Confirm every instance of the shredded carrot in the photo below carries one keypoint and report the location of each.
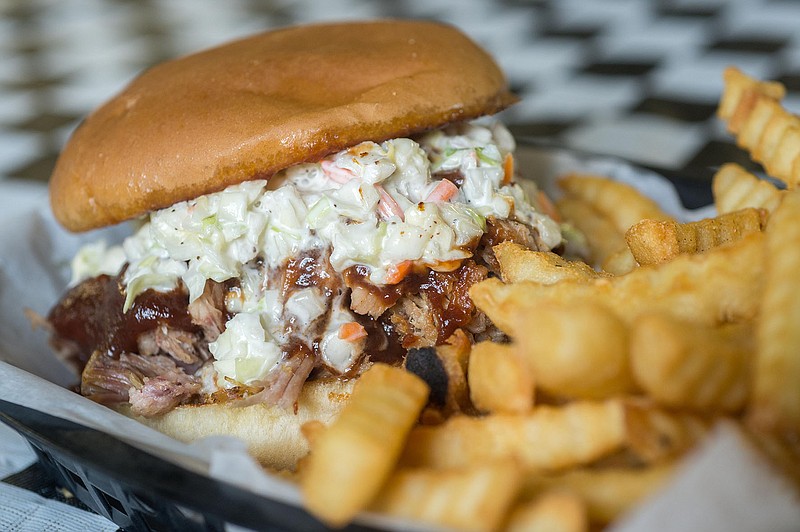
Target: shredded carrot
(397, 272)
(442, 192)
(335, 173)
(547, 206)
(352, 331)
(387, 206)
(508, 169)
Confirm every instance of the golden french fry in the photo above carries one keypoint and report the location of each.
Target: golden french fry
(689, 365)
(607, 492)
(654, 434)
(718, 286)
(761, 125)
(518, 263)
(735, 188)
(654, 241)
(781, 165)
(755, 116)
(622, 204)
(547, 438)
(793, 181)
(776, 388)
(745, 110)
(774, 129)
(552, 511)
(620, 263)
(577, 350)
(350, 460)
(602, 236)
(753, 126)
(739, 94)
(473, 498)
(500, 381)
(734, 86)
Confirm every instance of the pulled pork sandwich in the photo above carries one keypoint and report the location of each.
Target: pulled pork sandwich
(309, 201)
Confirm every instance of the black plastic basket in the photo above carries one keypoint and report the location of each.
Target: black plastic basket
(141, 492)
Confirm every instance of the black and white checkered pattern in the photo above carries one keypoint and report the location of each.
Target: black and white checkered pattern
(627, 77)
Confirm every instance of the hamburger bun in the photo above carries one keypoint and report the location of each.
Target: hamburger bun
(272, 433)
(248, 109)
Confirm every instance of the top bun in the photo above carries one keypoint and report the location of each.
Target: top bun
(251, 108)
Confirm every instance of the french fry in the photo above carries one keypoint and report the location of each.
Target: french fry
(754, 115)
(744, 110)
(552, 511)
(351, 459)
(520, 264)
(654, 434)
(602, 236)
(622, 204)
(739, 94)
(620, 262)
(771, 137)
(721, 285)
(654, 241)
(474, 498)
(607, 492)
(753, 126)
(735, 188)
(688, 324)
(546, 439)
(575, 350)
(500, 381)
(781, 164)
(776, 393)
(689, 365)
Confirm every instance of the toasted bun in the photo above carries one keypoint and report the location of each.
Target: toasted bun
(248, 109)
(272, 433)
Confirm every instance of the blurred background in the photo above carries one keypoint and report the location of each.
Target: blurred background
(634, 78)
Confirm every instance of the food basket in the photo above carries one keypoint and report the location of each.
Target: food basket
(140, 491)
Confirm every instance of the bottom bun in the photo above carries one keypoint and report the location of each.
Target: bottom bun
(272, 433)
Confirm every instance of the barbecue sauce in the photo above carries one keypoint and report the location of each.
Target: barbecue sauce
(314, 271)
(447, 293)
(90, 315)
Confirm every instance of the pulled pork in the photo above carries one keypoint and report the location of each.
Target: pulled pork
(149, 356)
(440, 305)
(154, 355)
(152, 384)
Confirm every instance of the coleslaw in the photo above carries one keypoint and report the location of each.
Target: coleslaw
(382, 206)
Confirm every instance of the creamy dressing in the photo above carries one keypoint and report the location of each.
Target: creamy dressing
(375, 205)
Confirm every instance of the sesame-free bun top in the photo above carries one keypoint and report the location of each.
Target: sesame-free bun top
(248, 109)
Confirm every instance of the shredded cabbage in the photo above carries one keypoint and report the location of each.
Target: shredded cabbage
(96, 259)
(367, 205)
(244, 352)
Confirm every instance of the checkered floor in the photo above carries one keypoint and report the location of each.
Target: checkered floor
(627, 77)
